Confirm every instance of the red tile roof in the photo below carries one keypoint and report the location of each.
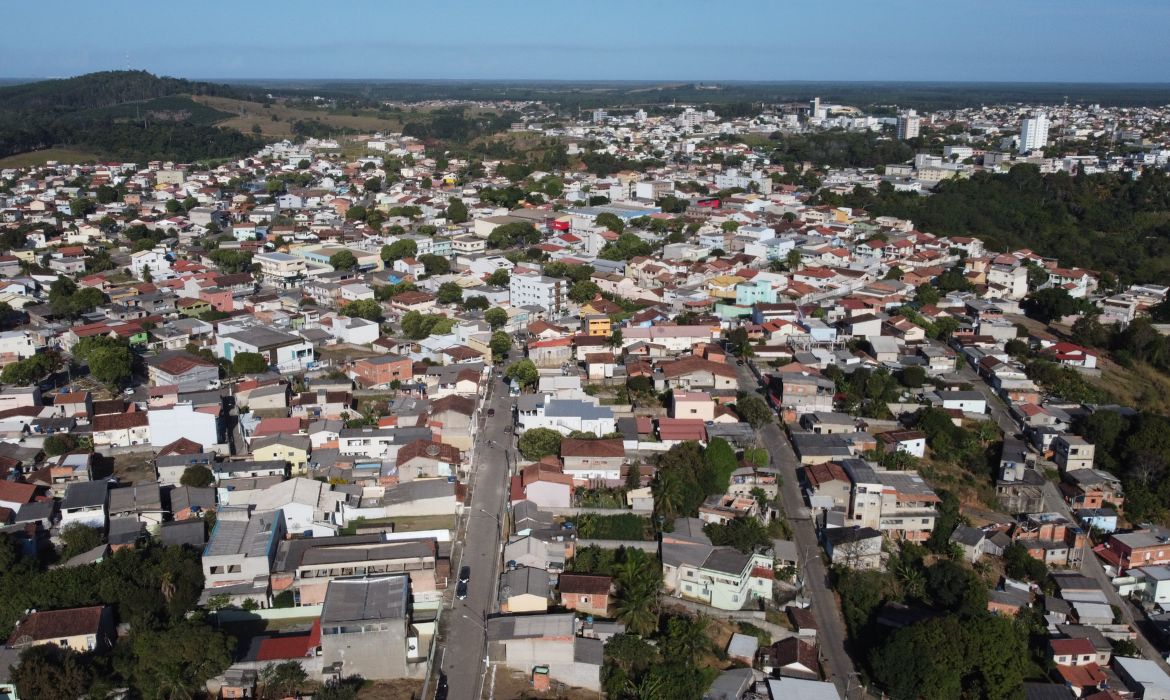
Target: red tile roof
(57, 624)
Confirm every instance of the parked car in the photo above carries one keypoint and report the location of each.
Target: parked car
(465, 574)
(491, 412)
(461, 590)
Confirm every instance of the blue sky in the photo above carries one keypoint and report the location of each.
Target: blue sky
(993, 40)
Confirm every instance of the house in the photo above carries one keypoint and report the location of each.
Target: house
(801, 689)
(1126, 550)
(84, 504)
(742, 648)
(692, 404)
(689, 373)
(1143, 677)
(540, 550)
(721, 577)
(365, 627)
(1072, 452)
(80, 629)
(142, 501)
(965, 401)
(381, 370)
(585, 593)
(593, 460)
(184, 420)
(240, 550)
(802, 392)
(1071, 355)
(284, 351)
(121, 429)
(970, 540)
(827, 486)
(281, 447)
(182, 369)
(854, 547)
(548, 641)
(792, 657)
(1072, 652)
(524, 589)
(544, 486)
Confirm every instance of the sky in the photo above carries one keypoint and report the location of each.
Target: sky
(781, 40)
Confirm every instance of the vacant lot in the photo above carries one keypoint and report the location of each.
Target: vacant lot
(63, 155)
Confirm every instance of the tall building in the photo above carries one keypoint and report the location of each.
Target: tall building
(600, 115)
(1034, 133)
(908, 125)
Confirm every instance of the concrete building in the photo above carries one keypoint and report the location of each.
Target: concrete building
(1033, 133)
(537, 290)
(365, 627)
(909, 124)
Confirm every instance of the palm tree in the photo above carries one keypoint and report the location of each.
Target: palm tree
(166, 586)
(689, 636)
(637, 607)
(649, 688)
(668, 495)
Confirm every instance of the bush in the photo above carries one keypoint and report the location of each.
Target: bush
(626, 526)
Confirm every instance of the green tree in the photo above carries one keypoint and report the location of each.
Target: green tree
(523, 373)
(477, 302)
(457, 211)
(59, 444)
(110, 363)
(496, 318)
(343, 260)
(1050, 304)
(500, 344)
(249, 363)
(753, 410)
(435, 264)
(539, 442)
(499, 278)
(282, 680)
(449, 293)
(369, 309)
(78, 539)
(638, 581)
(198, 476)
(584, 291)
(50, 672)
(610, 221)
(745, 534)
(81, 206)
(176, 662)
(402, 248)
(720, 461)
(925, 294)
(912, 376)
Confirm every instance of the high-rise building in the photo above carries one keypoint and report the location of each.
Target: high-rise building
(600, 115)
(908, 125)
(1034, 133)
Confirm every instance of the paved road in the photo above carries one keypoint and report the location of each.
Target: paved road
(830, 625)
(464, 647)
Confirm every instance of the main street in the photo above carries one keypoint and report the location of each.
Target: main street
(463, 647)
(830, 626)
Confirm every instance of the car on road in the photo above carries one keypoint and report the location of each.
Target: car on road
(739, 362)
(491, 412)
(441, 690)
(461, 590)
(465, 574)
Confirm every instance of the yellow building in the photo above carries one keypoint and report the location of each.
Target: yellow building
(723, 286)
(293, 449)
(80, 629)
(596, 324)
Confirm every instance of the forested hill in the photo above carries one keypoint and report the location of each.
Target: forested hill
(1109, 222)
(128, 115)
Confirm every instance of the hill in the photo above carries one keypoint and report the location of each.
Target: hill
(125, 115)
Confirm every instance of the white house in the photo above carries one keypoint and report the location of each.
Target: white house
(965, 401)
(564, 415)
(183, 421)
(153, 261)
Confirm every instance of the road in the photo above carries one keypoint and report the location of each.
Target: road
(1054, 502)
(830, 625)
(464, 646)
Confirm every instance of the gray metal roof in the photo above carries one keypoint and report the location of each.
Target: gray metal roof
(366, 599)
(85, 494)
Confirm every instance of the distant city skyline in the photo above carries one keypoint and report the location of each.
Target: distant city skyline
(851, 40)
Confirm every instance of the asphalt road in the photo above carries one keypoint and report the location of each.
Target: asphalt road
(830, 625)
(463, 648)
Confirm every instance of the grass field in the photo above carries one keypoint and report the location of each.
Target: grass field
(63, 155)
(248, 114)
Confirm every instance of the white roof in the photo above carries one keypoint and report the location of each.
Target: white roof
(798, 689)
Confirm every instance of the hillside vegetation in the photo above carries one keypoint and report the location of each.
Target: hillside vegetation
(128, 115)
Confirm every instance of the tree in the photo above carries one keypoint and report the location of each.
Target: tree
(59, 444)
(539, 442)
(523, 373)
(499, 278)
(449, 293)
(513, 234)
(720, 461)
(402, 248)
(110, 363)
(282, 680)
(500, 344)
(51, 672)
(476, 303)
(496, 318)
(1020, 564)
(610, 221)
(78, 539)
(1050, 304)
(616, 340)
(753, 410)
(584, 291)
(197, 476)
(925, 294)
(912, 376)
(175, 662)
(792, 260)
(435, 264)
(81, 206)
(638, 581)
(457, 211)
(369, 309)
(745, 534)
(249, 363)
(634, 476)
(343, 260)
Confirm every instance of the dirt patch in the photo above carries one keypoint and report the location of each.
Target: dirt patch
(134, 468)
(399, 689)
(513, 684)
